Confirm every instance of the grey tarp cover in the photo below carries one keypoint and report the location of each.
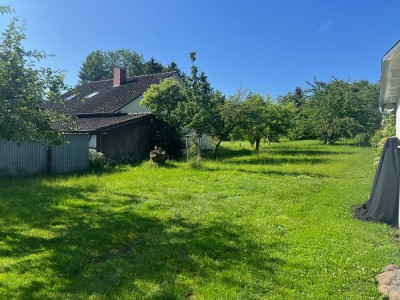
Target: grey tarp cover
(383, 204)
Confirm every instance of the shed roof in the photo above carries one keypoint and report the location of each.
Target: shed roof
(99, 123)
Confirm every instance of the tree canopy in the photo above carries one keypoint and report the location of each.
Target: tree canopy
(163, 100)
(99, 65)
(340, 109)
(24, 88)
(196, 111)
(226, 115)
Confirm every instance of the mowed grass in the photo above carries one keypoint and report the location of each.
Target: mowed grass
(273, 225)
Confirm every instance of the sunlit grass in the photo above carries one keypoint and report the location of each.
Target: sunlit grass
(272, 225)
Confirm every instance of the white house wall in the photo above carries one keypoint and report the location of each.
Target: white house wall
(206, 142)
(398, 120)
(134, 107)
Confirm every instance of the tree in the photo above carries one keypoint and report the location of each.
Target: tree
(226, 116)
(297, 98)
(152, 66)
(173, 67)
(163, 100)
(132, 61)
(279, 119)
(297, 129)
(254, 112)
(340, 109)
(94, 68)
(196, 107)
(263, 118)
(24, 88)
(196, 111)
(366, 112)
(6, 10)
(99, 65)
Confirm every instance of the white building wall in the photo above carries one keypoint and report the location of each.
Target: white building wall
(206, 142)
(134, 107)
(398, 119)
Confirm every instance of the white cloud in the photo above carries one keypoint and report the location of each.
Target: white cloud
(325, 27)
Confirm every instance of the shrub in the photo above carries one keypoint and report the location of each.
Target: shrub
(387, 130)
(362, 139)
(167, 137)
(96, 159)
(195, 162)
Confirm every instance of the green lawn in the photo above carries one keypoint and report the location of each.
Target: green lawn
(277, 225)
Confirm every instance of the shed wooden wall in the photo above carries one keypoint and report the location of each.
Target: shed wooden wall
(126, 141)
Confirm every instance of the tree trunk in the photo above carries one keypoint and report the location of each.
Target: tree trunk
(258, 144)
(215, 150)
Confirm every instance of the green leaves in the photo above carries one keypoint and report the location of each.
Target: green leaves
(261, 117)
(6, 10)
(23, 90)
(339, 109)
(196, 112)
(163, 100)
(99, 65)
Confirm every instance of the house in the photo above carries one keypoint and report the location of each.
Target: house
(390, 83)
(110, 112)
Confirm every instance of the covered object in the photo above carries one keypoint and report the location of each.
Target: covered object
(383, 204)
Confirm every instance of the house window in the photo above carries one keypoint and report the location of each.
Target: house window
(71, 97)
(91, 95)
(93, 141)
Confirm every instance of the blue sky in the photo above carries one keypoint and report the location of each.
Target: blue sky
(264, 46)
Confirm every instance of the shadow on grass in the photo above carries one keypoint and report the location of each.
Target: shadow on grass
(251, 155)
(295, 152)
(70, 242)
(272, 172)
(291, 174)
(265, 160)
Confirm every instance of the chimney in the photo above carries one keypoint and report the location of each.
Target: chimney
(119, 76)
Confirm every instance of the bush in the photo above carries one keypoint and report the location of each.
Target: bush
(167, 137)
(195, 163)
(387, 130)
(96, 159)
(362, 139)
